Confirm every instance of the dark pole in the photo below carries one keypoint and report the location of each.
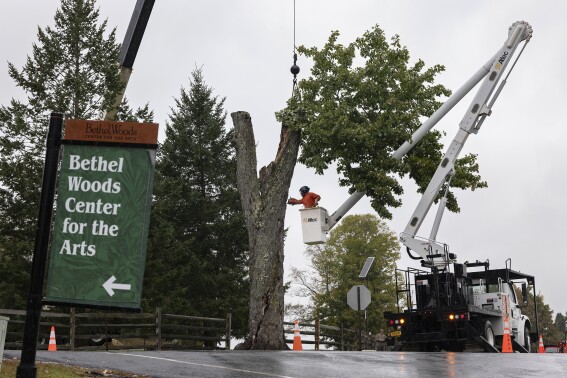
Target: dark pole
(129, 50)
(27, 368)
(359, 315)
(365, 311)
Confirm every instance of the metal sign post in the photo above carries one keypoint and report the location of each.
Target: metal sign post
(27, 366)
(364, 274)
(358, 298)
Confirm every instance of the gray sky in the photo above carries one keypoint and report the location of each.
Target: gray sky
(245, 48)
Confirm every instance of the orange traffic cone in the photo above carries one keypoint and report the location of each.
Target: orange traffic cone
(565, 347)
(296, 337)
(52, 344)
(541, 348)
(506, 339)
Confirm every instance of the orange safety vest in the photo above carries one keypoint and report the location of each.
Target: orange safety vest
(307, 201)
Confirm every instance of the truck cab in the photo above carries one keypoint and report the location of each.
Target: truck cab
(497, 290)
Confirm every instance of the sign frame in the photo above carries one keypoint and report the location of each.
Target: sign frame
(101, 221)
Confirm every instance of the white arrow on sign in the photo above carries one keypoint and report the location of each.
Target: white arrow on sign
(110, 286)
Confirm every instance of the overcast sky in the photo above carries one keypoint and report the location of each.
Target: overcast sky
(245, 48)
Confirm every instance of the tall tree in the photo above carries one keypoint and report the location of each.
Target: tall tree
(73, 70)
(197, 254)
(560, 320)
(360, 103)
(335, 270)
(547, 328)
(560, 326)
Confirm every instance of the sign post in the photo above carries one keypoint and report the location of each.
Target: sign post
(27, 367)
(358, 298)
(100, 231)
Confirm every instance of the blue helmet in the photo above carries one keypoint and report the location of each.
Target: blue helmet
(304, 190)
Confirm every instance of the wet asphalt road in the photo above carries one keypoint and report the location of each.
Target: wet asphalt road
(313, 364)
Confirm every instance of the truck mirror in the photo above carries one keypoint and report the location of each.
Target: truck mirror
(524, 294)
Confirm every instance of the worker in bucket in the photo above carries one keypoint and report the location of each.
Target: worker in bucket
(308, 199)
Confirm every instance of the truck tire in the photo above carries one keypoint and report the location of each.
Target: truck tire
(98, 341)
(488, 333)
(527, 339)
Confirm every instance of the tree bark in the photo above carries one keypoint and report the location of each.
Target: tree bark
(263, 198)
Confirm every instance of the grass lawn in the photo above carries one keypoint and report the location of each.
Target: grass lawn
(46, 370)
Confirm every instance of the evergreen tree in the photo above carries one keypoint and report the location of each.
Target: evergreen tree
(560, 320)
(336, 268)
(547, 328)
(196, 263)
(73, 70)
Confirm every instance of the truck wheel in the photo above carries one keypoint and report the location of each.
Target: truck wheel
(527, 340)
(488, 333)
(98, 341)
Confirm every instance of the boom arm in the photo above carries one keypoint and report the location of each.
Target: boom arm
(471, 122)
(419, 134)
(130, 47)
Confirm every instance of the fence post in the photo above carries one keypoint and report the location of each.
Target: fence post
(342, 338)
(228, 330)
(158, 328)
(105, 331)
(72, 326)
(317, 333)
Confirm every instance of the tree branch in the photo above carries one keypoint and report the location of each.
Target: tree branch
(246, 163)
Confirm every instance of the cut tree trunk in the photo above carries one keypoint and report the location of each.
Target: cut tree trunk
(263, 199)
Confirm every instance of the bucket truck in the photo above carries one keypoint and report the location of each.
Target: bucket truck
(455, 304)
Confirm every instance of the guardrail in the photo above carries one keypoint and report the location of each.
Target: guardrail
(119, 330)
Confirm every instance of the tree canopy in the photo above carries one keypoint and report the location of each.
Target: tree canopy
(547, 327)
(361, 102)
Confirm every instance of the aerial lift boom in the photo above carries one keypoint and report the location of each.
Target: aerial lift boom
(431, 251)
(471, 123)
(129, 49)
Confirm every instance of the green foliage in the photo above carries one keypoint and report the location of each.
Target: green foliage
(337, 264)
(547, 327)
(197, 255)
(560, 320)
(360, 104)
(73, 70)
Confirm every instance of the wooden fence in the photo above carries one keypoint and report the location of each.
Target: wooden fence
(317, 334)
(116, 330)
(157, 331)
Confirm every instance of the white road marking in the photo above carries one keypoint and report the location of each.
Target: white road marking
(204, 365)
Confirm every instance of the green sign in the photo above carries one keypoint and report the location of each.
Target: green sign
(100, 232)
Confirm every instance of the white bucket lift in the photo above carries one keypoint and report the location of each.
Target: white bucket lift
(314, 225)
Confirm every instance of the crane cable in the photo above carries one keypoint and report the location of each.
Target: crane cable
(295, 68)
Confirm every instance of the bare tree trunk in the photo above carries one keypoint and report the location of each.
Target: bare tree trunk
(263, 199)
